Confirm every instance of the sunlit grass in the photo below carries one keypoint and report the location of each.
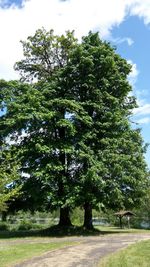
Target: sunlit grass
(14, 253)
(24, 246)
(137, 255)
(109, 229)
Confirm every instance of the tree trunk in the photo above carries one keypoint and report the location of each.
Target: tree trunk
(64, 219)
(88, 216)
(4, 216)
(120, 221)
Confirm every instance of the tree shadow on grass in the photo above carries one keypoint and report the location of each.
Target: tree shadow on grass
(57, 231)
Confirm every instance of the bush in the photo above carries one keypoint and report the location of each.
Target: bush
(4, 227)
(77, 216)
(33, 220)
(37, 226)
(25, 225)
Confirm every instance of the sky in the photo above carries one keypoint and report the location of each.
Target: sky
(124, 23)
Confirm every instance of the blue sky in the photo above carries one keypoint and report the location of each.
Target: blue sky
(8, 3)
(125, 23)
(137, 52)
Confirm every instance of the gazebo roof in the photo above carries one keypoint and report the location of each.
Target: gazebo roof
(124, 213)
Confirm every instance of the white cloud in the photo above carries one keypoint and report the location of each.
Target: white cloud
(128, 40)
(82, 16)
(132, 77)
(145, 120)
(118, 40)
(143, 110)
(141, 9)
(142, 93)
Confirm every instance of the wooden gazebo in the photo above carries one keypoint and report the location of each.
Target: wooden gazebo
(124, 213)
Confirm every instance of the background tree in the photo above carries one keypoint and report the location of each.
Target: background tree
(8, 176)
(9, 165)
(142, 212)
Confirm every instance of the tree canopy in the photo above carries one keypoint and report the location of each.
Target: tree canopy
(68, 118)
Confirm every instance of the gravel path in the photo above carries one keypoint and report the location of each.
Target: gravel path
(86, 254)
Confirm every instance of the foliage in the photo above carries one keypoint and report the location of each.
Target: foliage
(144, 209)
(69, 118)
(112, 168)
(77, 216)
(8, 175)
(142, 218)
(4, 227)
(29, 221)
(25, 225)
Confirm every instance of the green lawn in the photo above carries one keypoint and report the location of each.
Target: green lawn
(137, 255)
(111, 230)
(11, 253)
(27, 246)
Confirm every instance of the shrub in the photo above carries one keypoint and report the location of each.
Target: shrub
(4, 227)
(24, 225)
(77, 216)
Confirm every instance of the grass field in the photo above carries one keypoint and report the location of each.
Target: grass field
(12, 252)
(111, 230)
(137, 255)
(21, 245)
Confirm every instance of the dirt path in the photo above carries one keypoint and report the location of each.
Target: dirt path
(86, 254)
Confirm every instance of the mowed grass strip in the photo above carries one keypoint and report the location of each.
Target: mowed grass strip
(11, 254)
(111, 229)
(137, 255)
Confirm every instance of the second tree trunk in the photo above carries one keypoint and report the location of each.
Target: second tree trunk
(88, 216)
(64, 219)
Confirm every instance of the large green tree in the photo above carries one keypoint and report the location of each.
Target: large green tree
(37, 117)
(111, 166)
(69, 115)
